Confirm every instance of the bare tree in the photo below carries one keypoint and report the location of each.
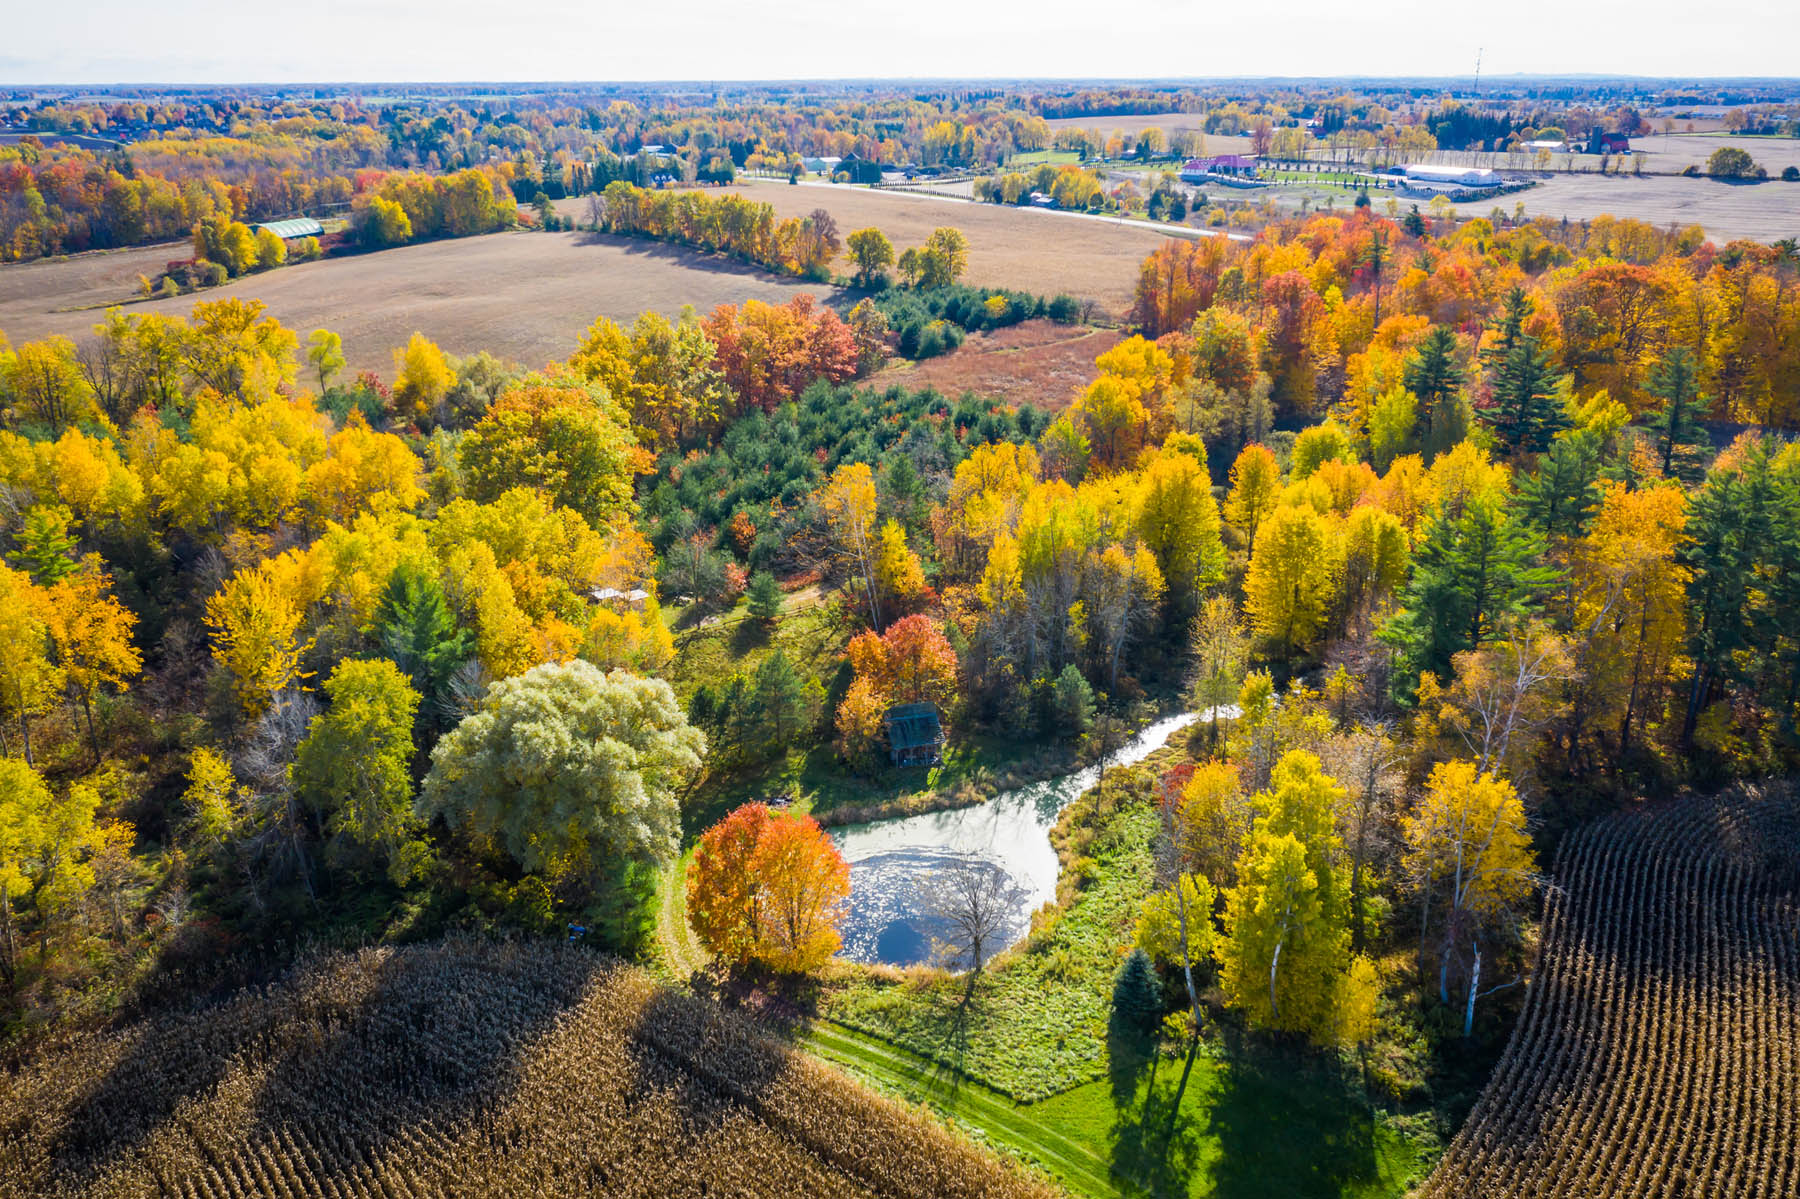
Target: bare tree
(1367, 761)
(277, 826)
(977, 901)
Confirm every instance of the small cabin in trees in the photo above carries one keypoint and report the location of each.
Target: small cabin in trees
(915, 736)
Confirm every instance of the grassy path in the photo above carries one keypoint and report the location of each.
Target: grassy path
(681, 951)
(925, 1081)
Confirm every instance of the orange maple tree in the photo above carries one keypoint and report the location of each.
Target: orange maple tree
(768, 887)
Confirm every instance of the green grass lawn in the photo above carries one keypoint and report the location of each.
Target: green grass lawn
(1038, 157)
(1030, 1057)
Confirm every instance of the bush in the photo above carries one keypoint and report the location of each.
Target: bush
(1790, 174)
(1065, 309)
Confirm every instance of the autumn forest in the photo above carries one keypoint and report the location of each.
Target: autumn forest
(1213, 775)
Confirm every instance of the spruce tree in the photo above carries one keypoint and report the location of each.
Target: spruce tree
(1677, 424)
(1137, 1000)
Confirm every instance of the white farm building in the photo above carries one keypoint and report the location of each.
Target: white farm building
(1454, 176)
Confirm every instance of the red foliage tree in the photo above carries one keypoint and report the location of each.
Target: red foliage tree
(769, 353)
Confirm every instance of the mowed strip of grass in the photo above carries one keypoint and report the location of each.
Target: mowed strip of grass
(920, 1080)
(1242, 1128)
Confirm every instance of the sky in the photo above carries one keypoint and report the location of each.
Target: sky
(206, 41)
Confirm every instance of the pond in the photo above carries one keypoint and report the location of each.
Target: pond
(1009, 833)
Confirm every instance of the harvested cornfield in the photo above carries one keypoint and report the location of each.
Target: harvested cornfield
(1658, 1053)
(465, 1069)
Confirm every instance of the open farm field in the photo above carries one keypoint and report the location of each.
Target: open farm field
(522, 296)
(1656, 1053)
(466, 1069)
(1038, 362)
(1727, 211)
(1029, 249)
(1674, 153)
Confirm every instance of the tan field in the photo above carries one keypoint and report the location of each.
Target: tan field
(1029, 249)
(1673, 153)
(525, 297)
(1727, 211)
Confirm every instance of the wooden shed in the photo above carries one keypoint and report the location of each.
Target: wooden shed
(915, 736)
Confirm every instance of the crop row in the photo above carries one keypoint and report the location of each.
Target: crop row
(466, 1069)
(1658, 1052)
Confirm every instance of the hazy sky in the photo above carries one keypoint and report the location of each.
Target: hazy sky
(98, 41)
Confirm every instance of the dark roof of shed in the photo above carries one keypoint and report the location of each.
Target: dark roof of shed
(911, 725)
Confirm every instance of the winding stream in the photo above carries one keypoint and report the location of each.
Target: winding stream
(1010, 833)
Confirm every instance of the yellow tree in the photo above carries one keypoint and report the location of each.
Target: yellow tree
(44, 847)
(362, 469)
(1178, 521)
(1124, 587)
(872, 253)
(1255, 486)
(1469, 853)
(1630, 594)
(1113, 418)
(423, 375)
(29, 678)
(91, 632)
(213, 802)
(255, 626)
(325, 353)
(898, 571)
(847, 501)
(1293, 578)
(1286, 943)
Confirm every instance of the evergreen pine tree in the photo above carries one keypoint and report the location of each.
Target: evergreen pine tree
(1526, 411)
(1727, 523)
(1561, 496)
(779, 702)
(1436, 381)
(45, 546)
(418, 632)
(1473, 575)
(763, 598)
(1072, 699)
(1677, 424)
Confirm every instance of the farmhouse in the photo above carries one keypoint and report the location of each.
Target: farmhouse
(291, 230)
(915, 738)
(1609, 143)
